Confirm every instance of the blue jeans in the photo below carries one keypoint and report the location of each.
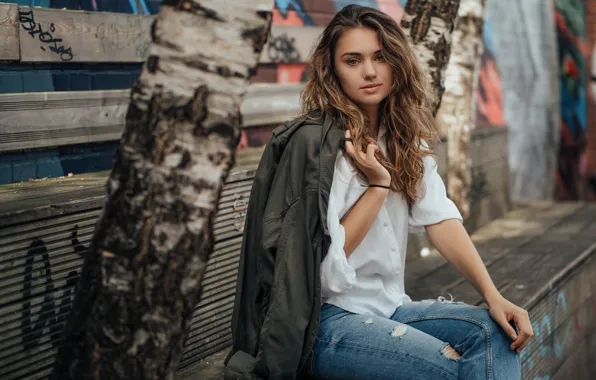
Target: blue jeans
(413, 344)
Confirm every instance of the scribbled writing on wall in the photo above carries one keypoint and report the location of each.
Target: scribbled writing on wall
(27, 21)
(282, 49)
(52, 315)
(562, 321)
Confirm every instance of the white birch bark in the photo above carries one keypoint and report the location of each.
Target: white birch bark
(456, 117)
(429, 25)
(142, 275)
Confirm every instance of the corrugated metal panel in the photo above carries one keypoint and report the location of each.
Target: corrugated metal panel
(40, 262)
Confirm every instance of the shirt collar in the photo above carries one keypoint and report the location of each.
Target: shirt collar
(382, 131)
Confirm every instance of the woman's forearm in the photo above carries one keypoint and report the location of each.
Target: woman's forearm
(454, 243)
(361, 217)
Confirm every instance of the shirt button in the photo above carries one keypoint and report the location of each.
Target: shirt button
(386, 224)
(394, 249)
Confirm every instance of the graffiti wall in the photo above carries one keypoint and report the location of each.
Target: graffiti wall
(571, 38)
(489, 101)
(588, 162)
(288, 64)
(16, 77)
(517, 89)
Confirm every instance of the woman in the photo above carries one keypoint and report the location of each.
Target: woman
(385, 184)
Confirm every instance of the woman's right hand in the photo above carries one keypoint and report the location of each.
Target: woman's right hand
(369, 165)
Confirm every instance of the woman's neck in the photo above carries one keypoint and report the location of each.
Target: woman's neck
(372, 113)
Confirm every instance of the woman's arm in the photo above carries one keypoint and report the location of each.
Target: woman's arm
(454, 243)
(358, 221)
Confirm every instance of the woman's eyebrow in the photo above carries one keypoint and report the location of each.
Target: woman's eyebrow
(359, 54)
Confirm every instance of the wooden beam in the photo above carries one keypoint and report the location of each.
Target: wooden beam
(9, 32)
(55, 35)
(50, 119)
(51, 35)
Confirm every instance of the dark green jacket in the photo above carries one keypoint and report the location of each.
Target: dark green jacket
(278, 294)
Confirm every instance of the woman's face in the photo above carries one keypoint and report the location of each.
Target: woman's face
(360, 67)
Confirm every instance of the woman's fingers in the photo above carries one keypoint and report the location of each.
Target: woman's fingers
(371, 149)
(506, 326)
(522, 320)
(349, 145)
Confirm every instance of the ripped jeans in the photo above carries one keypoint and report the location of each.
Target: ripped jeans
(417, 342)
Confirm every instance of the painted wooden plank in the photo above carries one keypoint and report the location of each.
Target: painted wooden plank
(9, 32)
(50, 119)
(50, 35)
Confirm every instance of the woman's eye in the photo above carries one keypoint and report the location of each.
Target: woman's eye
(352, 62)
(380, 58)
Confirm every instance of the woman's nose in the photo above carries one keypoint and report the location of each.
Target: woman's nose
(369, 70)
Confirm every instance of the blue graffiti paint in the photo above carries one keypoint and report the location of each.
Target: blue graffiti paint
(550, 335)
(130, 6)
(135, 8)
(56, 162)
(284, 6)
(561, 338)
(339, 4)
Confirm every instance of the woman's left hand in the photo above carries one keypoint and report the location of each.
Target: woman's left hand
(504, 312)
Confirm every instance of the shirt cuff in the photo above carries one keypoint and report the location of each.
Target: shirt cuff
(337, 275)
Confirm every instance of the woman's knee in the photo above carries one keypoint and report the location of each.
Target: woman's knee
(496, 339)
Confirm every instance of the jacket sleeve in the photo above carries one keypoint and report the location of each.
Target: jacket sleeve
(434, 206)
(337, 275)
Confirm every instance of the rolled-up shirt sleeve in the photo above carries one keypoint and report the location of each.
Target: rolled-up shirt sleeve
(434, 206)
(337, 275)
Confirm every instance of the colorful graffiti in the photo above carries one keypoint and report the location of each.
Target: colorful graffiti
(588, 162)
(571, 36)
(489, 100)
(311, 13)
(307, 13)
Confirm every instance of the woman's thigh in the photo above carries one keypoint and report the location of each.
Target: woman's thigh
(353, 346)
(449, 321)
(483, 344)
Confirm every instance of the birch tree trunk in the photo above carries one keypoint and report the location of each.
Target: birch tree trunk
(456, 116)
(141, 279)
(429, 24)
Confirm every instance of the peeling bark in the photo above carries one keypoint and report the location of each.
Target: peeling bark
(429, 24)
(141, 279)
(456, 116)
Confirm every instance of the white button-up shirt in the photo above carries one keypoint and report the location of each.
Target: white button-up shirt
(371, 280)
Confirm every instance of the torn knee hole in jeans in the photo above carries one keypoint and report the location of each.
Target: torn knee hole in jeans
(398, 331)
(450, 352)
(443, 299)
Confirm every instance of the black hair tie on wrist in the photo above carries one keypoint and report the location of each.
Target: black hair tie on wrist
(381, 186)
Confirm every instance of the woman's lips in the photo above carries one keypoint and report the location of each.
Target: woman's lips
(371, 89)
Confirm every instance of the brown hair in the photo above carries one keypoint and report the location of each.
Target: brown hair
(405, 111)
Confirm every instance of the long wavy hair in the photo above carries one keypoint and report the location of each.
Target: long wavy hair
(406, 111)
